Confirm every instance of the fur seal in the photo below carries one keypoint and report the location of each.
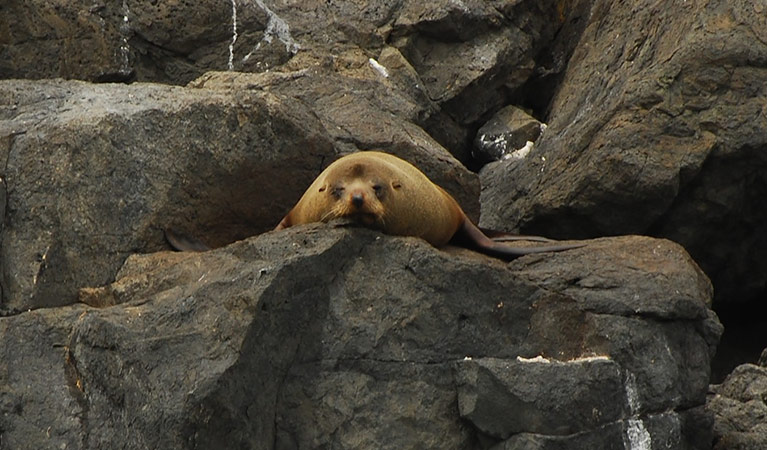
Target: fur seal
(384, 192)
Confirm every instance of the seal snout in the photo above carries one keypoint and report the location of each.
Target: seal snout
(359, 202)
(358, 199)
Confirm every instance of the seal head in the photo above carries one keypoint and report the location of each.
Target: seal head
(380, 191)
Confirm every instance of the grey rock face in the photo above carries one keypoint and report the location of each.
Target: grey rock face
(739, 405)
(505, 135)
(221, 164)
(94, 172)
(540, 396)
(325, 338)
(318, 337)
(657, 128)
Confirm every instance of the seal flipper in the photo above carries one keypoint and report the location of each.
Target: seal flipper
(503, 236)
(472, 237)
(184, 243)
(284, 223)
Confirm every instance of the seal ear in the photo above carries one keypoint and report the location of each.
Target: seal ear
(324, 187)
(395, 184)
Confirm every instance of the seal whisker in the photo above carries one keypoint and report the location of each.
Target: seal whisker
(330, 215)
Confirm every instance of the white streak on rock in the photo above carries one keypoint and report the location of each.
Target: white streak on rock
(124, 31)
(537, 359)
(521, 153)
(378, 68)
(582, 359)
(275, 27)
(637, 437)
(234, 35)
(632, 394)
(589, 359)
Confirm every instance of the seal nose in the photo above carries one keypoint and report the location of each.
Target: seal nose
(357, 200)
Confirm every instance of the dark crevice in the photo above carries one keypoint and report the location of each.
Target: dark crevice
(744, 337)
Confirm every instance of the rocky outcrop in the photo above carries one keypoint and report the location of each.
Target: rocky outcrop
(658, 128)
(305, 338)
(461, 60)
(93, 173)
(136, 159)
(740, 407)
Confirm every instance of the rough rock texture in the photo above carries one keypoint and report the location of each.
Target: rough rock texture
(658, 127)
(320, 337)
(476, 54)
(131, 39)
(469, 55)
(360, 109)
(133, 160)
(507, 132)
(740, 408)
(506, 397)
(94, 172)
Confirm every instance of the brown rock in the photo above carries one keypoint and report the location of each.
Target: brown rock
(657, 129)
(93, 173)
(305, 337)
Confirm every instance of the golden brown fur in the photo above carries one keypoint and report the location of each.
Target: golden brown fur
(382, 191)
(392, 196)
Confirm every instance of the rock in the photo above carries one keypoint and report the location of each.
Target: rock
(612, 434)
(466, 58)
(221, 162)
(506, 397)
(133, 160)
(510, 129)
(663, 430)
(470, 56)
(321, 337)
(304, 338)
(41, 401)
(361, 110)
(657, 128)
(146, 41)
(739, 405)
(448, 21)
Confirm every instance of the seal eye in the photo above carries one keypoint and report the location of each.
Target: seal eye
(337, 191)
(378, 190)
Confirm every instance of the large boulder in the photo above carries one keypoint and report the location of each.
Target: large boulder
(319, 337)
(94, 173)
(658, 128)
